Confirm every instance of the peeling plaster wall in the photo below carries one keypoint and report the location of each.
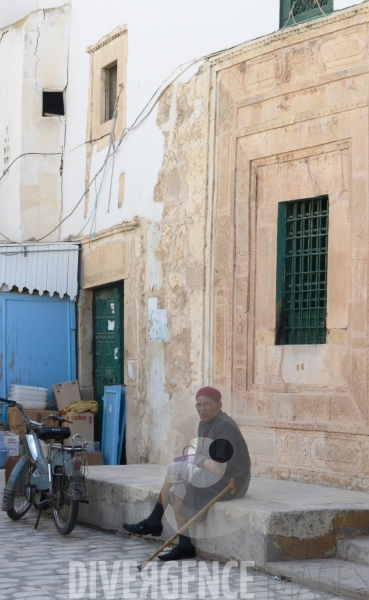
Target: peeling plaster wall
(182, 187)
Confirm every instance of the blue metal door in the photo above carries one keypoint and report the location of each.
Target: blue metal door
(37, 340)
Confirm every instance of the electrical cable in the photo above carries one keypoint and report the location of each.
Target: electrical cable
(187, 65)
(6, 237)
(26, 249)
(27, 154)
(111, 143)
(91, 182)
(320, 8)
(12, 163)
(290, 15)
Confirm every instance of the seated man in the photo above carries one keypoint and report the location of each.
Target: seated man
(221, 455)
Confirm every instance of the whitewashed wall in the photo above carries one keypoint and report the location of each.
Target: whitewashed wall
(11, 69)
(33, 58)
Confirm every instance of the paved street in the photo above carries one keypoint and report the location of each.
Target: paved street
(37, 564)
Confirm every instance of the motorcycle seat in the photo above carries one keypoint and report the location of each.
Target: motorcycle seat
(53, 433)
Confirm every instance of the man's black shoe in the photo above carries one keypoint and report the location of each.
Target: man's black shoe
(142, 528)
(178, 553)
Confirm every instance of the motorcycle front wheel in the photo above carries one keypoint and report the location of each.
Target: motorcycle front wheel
(22, 500)
(65, 512)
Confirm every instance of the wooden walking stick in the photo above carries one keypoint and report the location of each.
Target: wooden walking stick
(230, 488)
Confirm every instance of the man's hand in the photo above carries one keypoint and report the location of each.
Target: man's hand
(212, 466)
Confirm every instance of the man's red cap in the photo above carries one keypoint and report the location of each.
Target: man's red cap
(210, 392)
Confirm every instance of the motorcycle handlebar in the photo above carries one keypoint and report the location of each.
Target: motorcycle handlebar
(20, 407)
(10, 402)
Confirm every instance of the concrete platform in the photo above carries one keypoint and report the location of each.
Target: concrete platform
(356, 550)
(276, 521)
(336, 576)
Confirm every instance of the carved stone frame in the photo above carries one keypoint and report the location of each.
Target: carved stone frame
(236, 199)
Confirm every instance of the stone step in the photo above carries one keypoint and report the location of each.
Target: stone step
(277, 520)
(356, 550)
(332, 575)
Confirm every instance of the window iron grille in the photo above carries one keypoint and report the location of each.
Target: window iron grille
(302, 261)
(303, 10)
(302, 6)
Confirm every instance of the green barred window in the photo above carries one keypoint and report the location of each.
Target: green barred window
(302, 257)
(303, 10)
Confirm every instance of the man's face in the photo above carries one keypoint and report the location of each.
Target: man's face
(207, 408)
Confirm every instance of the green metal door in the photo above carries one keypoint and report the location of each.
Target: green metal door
(108, 343)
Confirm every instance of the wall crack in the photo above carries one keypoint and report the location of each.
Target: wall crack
(3, 33)
(37, 40)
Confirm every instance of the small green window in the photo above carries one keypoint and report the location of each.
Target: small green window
(302, 259)
(296, 11)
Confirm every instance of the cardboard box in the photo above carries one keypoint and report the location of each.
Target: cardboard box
(16, 424)
(94, 458)
(12, 442)
(82, 424)
(9, 466)
(66, 393)
(19, 431)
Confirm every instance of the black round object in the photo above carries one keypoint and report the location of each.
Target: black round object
(221, 450)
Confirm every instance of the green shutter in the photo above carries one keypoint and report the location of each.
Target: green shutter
(302, 260)
(303, 10)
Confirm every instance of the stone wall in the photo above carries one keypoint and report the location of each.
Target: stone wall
(291, 121)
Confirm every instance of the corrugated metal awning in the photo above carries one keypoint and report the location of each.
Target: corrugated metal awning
(51, 268)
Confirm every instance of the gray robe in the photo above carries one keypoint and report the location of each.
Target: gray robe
(219, 435)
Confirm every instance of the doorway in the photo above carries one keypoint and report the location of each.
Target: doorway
(108, 343)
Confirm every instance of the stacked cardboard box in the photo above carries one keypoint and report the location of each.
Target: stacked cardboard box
(66, 393)
(81, 423)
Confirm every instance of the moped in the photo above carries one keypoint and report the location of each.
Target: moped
(48, 474)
